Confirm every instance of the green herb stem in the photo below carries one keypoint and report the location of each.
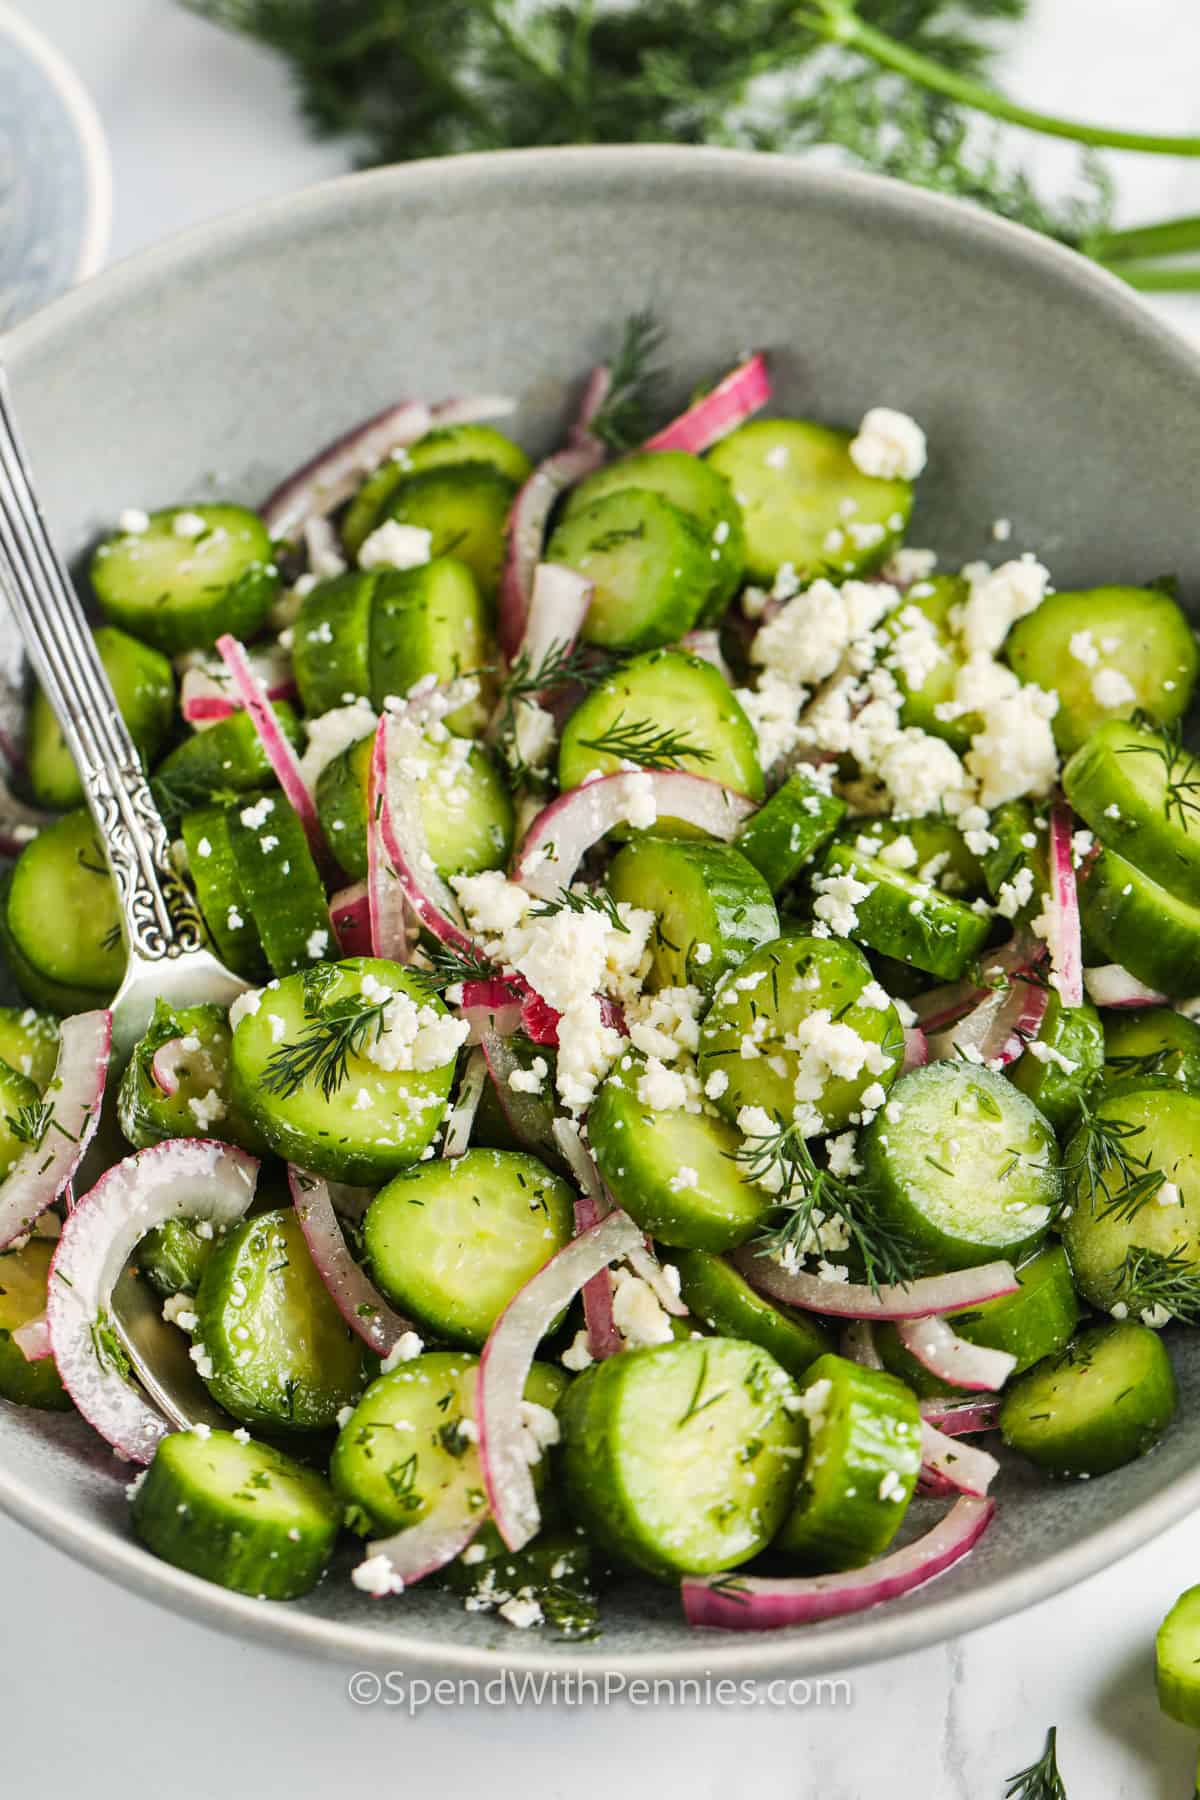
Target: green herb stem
(1156, 278)
(1166, 237)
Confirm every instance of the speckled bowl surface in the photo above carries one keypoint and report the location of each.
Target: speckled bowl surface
(1050, 398)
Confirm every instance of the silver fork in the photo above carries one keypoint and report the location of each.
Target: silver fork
(164, 934)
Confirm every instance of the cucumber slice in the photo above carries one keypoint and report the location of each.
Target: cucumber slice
(711, 908)
(698, 490)
(906, 919)
(1019, 859)
(452, 1241)
(790, 830)
(19, 1115)
(467, 810)
(915, 632)
(465, 507)
(283, 890)
(936, 851)
(42, 990)
(860, 1469)
(195, 572)
(447, 446)
(1137, 638)
(243, 1515)
(29, 1043)
(716, 1293)
(556, 1572)
(1140, 793)
(1177, 1660)
(1153, 1041)
(226, 759)
(202, 1105)
(270, 1343)
(766, 1024)
(682, 1459)
(340, 1134)
(409, 1447)
(1159, 1129)
(964, 1165)
(430, 621)
(674, 1172)
(663, 695)
(222, 899)
(1100, 1403)
(331, 642)
(650, 565)
(143, 685)
(1063, 1065)
(174, 1256)
(62, 910)
(1130, 919)
(24, 1275)
(804, 502)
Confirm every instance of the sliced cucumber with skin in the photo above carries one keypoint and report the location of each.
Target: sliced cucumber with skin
(934, 600)
(242, 1515)
(723, 1299)
(29, 1043)
(698, 490)
(964, 1165)
(180, 591)
(451, 1241)
(62, 909)
(1141, 634)
(1159, 1129)
(711, 908)
(1133, 921)
(1099, 1404)
(1022, 843)
(19, 1099)
(910, 921)
(202, 1105)
(1071, 1042)
(664, 691)
(331, 642)
(790, 829)
(271, 1345)
(209, 842)
(1152, 1040)
(24, 1275)
(650, 567)
(430, 621)
(939, 854)
(1132, 787)
(174, 1256)
(1177, 1660)
(675, 1173)
(770, 999)
(57, 996)
(465, 509)
(343, 1136)
(143, 685)
(279, 878)
(860, 1468)
(682, 1459)
(227, 758)
(446, 446)
(804, 501)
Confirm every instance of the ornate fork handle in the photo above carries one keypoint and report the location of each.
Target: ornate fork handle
(159, 916)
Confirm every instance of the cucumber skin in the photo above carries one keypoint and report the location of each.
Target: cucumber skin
(1149, 1031)
(742, 912)
(1135, 922)
(666, 605)
(283, 889)
(430, 620)
(1103, 773)
(172, 1258)
(716, 1293)
(23, 1278)
(72, 902)
(1078, 1034)
(1177, 1660)
(1102, 1439)
(58, 997)
(229, 756)
(147, 1116)
(219, 892)
(942, 941)
(443, 447)
(331, 642)
(197, 620)
(436, 500)
(143, 684)
(789, 830)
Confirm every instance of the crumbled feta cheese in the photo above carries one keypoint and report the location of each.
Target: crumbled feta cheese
(637, 1314)
(245, 1006)
(407, 1348)
(1082, 647)
(188, 525)
(206, 1109)
(841, 1152)
(330, 734)
(133, 521)
(377, 1577)
(577, 1356)
(889, 445)
(255, 817)
(530, 1080)
(521, 1610)
(997, 599)
(395, 546)
(1111, 688)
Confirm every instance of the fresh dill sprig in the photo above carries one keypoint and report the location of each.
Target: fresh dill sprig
(649, 745)
(1117, 1181)
(30, 1124)
(1181, 779)
(626, 417)
(1148, 1279)
(339, 1030)
(1041, 1780)
(597, 900)
(563, 665)
(450, 966)
(1147, 1062)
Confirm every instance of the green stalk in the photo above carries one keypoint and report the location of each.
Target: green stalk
(837, 22)
(1169, 237)
(1156, 278)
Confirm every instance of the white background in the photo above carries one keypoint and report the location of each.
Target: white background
(102, 1694)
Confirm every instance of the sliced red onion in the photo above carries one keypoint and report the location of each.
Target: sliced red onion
(356, 1297)
(938, 1348)
(647, 1267)
(425, 1547)
(165, 1067)
(1111, 985)
(506, 1361)
(74, 1096)
(963, 1466)
(388, 919)
(563, 832)
(940, 1006)
(527, 534)
(204, 697)
(472, 409)
(33, 1339)
(707, 646)
(402, 856)
(604, 1340)
(762, 1603)
(858, 1345)
(493, 1007)
(279, 753)
(350, 1202)
(595, 394)
(461, 1122)
(557, 610)
(350, 916)
(916, 1049)
(641, 1258)
(323, 549)
(932, 1486)
(185, 1178)
(920, 1299)
(337, 471)
(1064, 935)
(957, 1418)
(743, 392)
(999, 1029)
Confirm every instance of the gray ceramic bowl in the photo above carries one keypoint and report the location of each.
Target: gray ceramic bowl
(1050, 397)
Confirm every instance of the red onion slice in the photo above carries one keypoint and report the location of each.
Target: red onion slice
(165, 1066)
(849, 1300)
(402, 859)
(759, 1603)
(743, 392)
(337, 471)
(279, 753)
(527, 534)
(33, 1339)
(999, 1030)
(461, 1122)
(557, 610)
(350, 916)
(204, 697)
(641, 1259)
(951, 1358)
(409, 1556)
(707, 646)
(858, 1345)
(1111, 985)
(185, 1178)
(940, 1006)
(1064, 934)
(603, 1338)
(42, 1172)
(506, 1361)
(356, 1297)
(962, 1466)
(916, 1049)
(957, 1418)
(563, 832)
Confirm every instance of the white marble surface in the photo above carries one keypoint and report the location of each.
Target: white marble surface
(102, 1691)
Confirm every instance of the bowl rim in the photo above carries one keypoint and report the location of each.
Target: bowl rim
(830, 1647)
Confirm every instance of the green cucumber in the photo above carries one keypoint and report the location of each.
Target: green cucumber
(1149, 1041)
(56, 996)
(240, 1514)
(331, 642)
(143, 685)
(174, 1256)
(24, 1274)
(711, 908)
(209, 842)
(465, 508)
(651, 568)
(446, 446)
(29, 1043)
(1139, 791)
(62, 910)
(860, 1468)
(283, 890)
(452, 1241)
(923, 653)
(202, 1105)
(20, 1116)
(1017, 864)
(1177, 1660)
(724, 1300)
(226, 758)
(1131, 920)
(936, 851)
(682, 1459)
(1063, 1064)
(790, 829)
(1099, 1404)
(906, 919)
(430, 621)
(194, 572)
